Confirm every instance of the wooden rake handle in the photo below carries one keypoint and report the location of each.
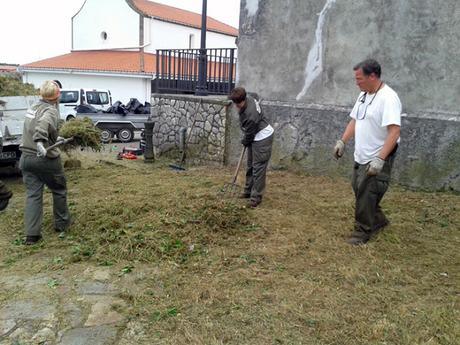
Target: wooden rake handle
(235, 176)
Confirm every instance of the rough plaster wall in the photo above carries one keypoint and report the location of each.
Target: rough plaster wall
(308, 94)
(428, 156)
(416, 41)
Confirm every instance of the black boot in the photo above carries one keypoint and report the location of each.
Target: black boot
(359, 237)
(32, 240)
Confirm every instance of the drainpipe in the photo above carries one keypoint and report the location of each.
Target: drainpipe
(141, 43)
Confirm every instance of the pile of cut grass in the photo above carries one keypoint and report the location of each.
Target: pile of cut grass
(120, 215)
(85, 134)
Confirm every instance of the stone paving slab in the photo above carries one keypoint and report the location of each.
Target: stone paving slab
(28, 310)
(96, 288)
(102, 312)
(6, 326)
(69, 308)
(100, 335)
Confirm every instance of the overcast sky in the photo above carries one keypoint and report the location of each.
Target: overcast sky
(32, 30)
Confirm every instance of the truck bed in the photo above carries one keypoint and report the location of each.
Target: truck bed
(122, 126)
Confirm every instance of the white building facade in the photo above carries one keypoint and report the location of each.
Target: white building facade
(114, 44)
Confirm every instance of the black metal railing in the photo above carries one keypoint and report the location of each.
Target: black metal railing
(177, 70)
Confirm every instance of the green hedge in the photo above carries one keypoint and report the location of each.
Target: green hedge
(13, 86)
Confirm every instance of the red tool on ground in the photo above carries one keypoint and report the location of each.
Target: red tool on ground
(128, 155)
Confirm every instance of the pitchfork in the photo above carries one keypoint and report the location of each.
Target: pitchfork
(232, 190)
(59, 143)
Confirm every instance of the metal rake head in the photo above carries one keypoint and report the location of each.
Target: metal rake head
(230, 191)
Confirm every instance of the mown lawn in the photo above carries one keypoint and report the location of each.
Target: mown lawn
(279, 274)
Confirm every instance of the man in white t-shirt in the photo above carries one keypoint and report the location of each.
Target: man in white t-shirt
(375, 125)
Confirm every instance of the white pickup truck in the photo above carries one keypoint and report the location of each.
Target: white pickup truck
(71, 98)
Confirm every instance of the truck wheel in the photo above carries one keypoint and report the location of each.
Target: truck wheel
(125, 135)
(70, 117)
(106, 135)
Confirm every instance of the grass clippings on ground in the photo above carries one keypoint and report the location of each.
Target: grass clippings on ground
(220, 273)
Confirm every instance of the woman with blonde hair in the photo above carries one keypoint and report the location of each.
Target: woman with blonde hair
(41, 166)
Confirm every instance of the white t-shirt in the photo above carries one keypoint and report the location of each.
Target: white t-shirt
(264, 133)
(373, 113)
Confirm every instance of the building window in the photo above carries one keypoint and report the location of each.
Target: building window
(104, 35)
(191, 41)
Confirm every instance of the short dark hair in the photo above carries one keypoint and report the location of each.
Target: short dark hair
(237, 95)
(369, 66)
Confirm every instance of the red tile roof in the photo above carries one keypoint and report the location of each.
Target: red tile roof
(98, 61)
(183, 17)
(110, 61)
(7, 67)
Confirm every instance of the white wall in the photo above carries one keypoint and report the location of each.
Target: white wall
(122, 88)
(164, 35)
(121, 24)
(114, 17)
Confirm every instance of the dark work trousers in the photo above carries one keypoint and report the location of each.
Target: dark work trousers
(369, 191)
(259, 153)
(36, 173)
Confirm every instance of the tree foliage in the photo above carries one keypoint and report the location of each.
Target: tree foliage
(13, 86)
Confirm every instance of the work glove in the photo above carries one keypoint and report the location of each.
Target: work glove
(339, 149)
(59, 138)
(41, 150)
(246, 142)
(375, 166)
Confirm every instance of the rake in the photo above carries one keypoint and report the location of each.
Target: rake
(232, 190)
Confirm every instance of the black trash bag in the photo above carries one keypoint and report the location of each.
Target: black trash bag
(119, 108)
(85, 109)
(133, 105)
(143, 109)
(139, 110)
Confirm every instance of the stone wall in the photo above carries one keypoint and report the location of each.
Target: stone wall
(205, 119)
(427, 158)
